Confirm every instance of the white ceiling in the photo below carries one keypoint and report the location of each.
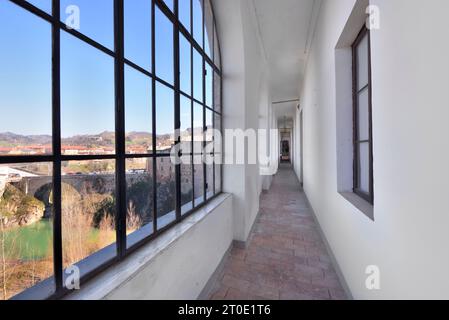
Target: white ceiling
(285, 27)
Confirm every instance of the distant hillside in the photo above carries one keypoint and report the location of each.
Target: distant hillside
(8, 139)
(103, 139)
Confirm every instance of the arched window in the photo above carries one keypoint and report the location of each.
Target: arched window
(97, 100)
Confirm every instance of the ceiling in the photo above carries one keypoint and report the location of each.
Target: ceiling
(285, 27)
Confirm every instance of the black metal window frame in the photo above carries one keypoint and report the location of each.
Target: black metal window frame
(54, 288)
(356, 136)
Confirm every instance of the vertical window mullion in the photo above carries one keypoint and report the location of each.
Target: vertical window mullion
(192, 157)
(203, 55)
(56, 105)
(176, 58)
(370, 112)
(120, 128)
(153, 79)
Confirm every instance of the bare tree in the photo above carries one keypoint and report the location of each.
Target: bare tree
(133, 220)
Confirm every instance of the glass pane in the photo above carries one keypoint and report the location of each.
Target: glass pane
(169, 4)
(166, 192)
(218, 139)
(165, 118)
(184, 13)
(139, 199)
(44, 5)
(362, 63)
(25, 82)
(87, 99)
(94, 19)
(364, 167)
(209, 156)
(209, 85)
(137, 15)
(197, 76)
(88, 213)
(26, 229)
(138, 112)
(209, 125)
(208, 28)
(198, 180)
(185, 65)
(216, 48)
(186, 124)
(217, 177)
(217, 92)
(186, 184)
(198, 21)
(210, 181)
(164, 47)
(363, 115)
(198, 125)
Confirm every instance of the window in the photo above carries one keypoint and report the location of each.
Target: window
(363, 144)
(92, 120)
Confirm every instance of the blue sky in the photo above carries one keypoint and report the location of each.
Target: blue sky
(87, 74)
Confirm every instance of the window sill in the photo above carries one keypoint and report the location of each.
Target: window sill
(361, 204)
(118, 274)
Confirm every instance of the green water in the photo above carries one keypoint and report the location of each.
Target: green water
(31, 242)
(34, 242)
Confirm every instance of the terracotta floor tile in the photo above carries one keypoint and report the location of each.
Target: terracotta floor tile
(285, 257)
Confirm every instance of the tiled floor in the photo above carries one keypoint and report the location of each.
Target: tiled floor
(285, 257)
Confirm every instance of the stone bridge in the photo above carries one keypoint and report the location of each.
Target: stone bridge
(104, 183)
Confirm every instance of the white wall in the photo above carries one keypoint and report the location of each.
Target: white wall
(409, 238)
(244, 77)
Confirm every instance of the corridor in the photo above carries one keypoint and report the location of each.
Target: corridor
(285, 257)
